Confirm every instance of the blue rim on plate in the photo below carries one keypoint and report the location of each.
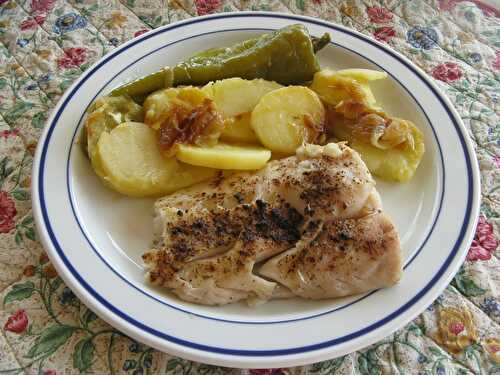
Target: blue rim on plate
(467, 219)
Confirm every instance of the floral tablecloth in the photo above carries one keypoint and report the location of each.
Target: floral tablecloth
(46, 44)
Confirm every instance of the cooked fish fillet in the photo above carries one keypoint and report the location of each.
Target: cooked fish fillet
(345, 257)
(263, 235)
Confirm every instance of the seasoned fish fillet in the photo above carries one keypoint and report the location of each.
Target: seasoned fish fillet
(344, 257)
(310, 225)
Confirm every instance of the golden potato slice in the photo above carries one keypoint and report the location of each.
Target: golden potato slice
(107, 113)
(392, 148)
(128, 160)
(333, 88)
(285, 118)
(239, 129)
(183, 115)
(158, 105)
(235, 96)
(167, 103)
(393, 164)
(370, 98)
(362, 75)
(224, 156)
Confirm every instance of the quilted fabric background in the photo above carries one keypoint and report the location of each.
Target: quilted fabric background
(46, 44)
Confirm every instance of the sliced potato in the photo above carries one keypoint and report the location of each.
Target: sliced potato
(105, 114)
(370, 98)
(158, 105)
(394, 164)
(362, 75)
(239, 129)
(235, 96)
(183, 115)
(128, 160)
(392, 148)
(285, 118)
(334, 88)
(224, 156)
(164, 104)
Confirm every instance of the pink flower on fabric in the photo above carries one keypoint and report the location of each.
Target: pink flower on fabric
(140, 32)
(496, 62)
(456, 328)
(379, 15)
(496, 161)
(384, 33)
(42, 5)
(9, 133)
(31, 23)
(207, 6)
(487, 10)
(7, 213)
(484, 242)
(50, 372)
(73, 58)
(447, 72)
(17, 322)
(448, 4)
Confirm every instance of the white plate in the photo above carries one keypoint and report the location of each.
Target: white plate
(95, 237)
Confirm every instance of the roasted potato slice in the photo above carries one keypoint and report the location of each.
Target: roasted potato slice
(107, 113)
(235, 96)
(239, 129)
(350, 84)
(128, 160)
(362, 75)
(286, 118)
(164, 104)
(392, 148)
(183, 115)
(225, 156)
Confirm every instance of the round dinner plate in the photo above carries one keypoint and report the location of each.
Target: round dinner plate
(95, 237)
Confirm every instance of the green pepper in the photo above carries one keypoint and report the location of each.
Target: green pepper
(286, 56)
(141, 87)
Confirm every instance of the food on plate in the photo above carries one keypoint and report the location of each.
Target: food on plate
(362, 75)
(182, 116)
(310, 225)
(236, 96)
(105, 114)
(286, 56)
(225, 156)
(128, 160)
(265, 166)
(391, 147)
(339, 258)
(211, 124)
(334, 87)
(239, 129)
(287, 117)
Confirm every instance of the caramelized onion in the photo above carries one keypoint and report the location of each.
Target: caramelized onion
(197, 125)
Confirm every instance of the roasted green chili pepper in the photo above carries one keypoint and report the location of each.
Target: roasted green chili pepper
(286, 56)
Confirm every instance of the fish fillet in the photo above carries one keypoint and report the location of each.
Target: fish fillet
(310, 225)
